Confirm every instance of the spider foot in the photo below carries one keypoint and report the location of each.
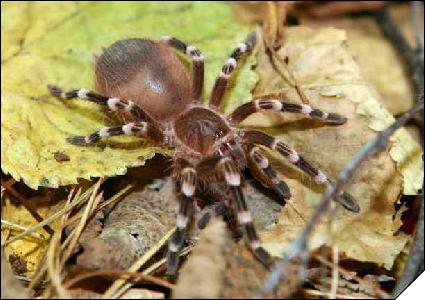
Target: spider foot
(264, 257)
(283, 191)
(172, 264)
(79, 140)
(55, 90)
(346, 200)
(336, 119)
(330, 118)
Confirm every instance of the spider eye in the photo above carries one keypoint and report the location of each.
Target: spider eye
(219, 133)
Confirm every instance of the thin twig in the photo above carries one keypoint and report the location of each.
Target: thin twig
(49, 219)
(299, 248)
(110, 201)
(22, 228)
(152, 269)
(53, 268)
(136, 277)
(42, 266)
(22, 201)
(111, 292)
(90, 206)
(363, 282)
(335, 273)
(413, 57)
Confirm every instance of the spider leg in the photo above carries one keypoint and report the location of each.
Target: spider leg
(187, 177)
(266, 104)
(265, 173)
(230, 65)
(142, 129)
(113, 104)
(232, 178)
(197, 63)
(258, 137)
(219, 207)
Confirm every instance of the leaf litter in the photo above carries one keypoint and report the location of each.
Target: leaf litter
(323, 65)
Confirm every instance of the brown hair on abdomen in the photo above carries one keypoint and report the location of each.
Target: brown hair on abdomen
(146, 72)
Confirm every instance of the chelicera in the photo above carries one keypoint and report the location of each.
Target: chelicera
(145, 80)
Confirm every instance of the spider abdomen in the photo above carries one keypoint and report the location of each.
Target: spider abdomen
(146, 72)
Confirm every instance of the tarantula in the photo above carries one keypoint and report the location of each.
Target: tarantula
(208, 147)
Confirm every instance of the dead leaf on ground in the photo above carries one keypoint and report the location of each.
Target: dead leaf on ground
(323, 65)
(378, 59)
(218, 267)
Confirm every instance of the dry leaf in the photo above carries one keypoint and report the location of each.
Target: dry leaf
(218, 267)
(323, 65)
(377, 57)
(134, 225)
(201, 275)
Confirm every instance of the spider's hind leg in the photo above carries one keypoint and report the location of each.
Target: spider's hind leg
(197, 63)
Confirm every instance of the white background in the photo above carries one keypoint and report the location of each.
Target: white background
(416, 290)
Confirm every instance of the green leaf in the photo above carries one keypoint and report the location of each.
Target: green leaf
(46, 43)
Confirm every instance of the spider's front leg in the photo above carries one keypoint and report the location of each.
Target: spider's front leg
(228, 68)
(141, 129)
(113, 104)
(188, 178)
(272, 103)
(197, 63)
(260, 138)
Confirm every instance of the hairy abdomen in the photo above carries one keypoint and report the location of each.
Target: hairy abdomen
(145, 72)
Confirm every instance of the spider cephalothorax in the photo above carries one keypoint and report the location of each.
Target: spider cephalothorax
(146, 80)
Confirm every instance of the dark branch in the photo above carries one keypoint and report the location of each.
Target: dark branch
(412, 57)
(299, 248)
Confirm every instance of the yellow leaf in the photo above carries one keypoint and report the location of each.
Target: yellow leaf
(44, 43)
(30, 249)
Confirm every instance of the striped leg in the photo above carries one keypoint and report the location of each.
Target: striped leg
(113, 104)
(141, 129)
(247, 109)
(268, 175)
(197, 63)
(219, 207)
(221, 82)
(188, 186)
(258, 137)
(233, 180)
